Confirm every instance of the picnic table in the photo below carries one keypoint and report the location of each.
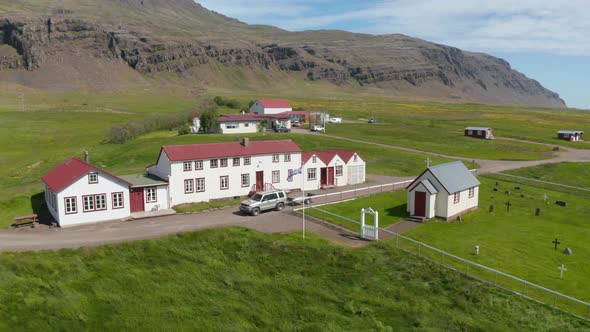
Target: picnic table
(26, 220)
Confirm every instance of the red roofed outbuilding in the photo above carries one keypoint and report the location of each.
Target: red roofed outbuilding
(332, 168)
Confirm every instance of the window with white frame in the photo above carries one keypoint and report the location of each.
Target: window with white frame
(71, 205)
(236, 161)
(189, 186)
(456, 198)
(93, 178)
(213, 163)
(339, 170)
(314, 159)
(151, 195)
(223, 162)
(231, 125)
(187, 166)
(224, 182)
(200, 184)
(287, 157)
(198, 165)
(356, 157)
(471, 192)
(88, 203)
(247, 161)
(275, 158)
(311, 174)
(245, 180)
(276, 176)
(101, 202)
(117, 200)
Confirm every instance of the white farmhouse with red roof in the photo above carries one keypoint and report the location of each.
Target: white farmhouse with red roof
(270, 106)
(77, 192)
(201, 172)
(332, 168)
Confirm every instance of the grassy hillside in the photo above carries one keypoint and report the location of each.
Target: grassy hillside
(237, 279)
(572, 174)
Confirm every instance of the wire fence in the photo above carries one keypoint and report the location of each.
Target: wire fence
(473, 270)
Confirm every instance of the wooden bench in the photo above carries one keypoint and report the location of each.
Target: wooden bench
(26, 220)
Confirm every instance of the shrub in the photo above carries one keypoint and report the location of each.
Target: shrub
(209, 120)
(184, 129)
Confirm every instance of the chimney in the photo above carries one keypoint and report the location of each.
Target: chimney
(86, 157)
(245, 141)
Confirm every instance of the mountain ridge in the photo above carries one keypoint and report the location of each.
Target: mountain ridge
(152, 37)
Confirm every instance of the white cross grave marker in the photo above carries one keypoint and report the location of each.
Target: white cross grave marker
(561, 269)
(477, 249)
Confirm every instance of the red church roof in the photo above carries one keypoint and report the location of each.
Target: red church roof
(274, 103)
(69, 172)
(222, 150)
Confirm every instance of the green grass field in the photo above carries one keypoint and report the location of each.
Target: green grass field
(571, 174)
(391, 207)
(516, 241)
(238, 279)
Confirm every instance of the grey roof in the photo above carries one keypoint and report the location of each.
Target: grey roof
(570, 132)
(454, 177)
(477, 128)
(428, 185)
(143, 180)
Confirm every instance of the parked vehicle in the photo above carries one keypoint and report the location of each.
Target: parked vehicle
(265, 200)
(295, 123)
(335, 120)
(372, 120)
(296, 197)
(318, 129)
(281, 130)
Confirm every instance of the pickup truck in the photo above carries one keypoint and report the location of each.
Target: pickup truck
(265, 200)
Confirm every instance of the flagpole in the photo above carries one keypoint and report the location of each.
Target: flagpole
(303, 192)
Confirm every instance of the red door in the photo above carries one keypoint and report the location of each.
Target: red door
(420, 204)
(330, 176)
(323, 176)
(136, 199)
(259, 180)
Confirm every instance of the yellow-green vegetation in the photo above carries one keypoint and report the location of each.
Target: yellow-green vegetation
(237, 279)
(571, 174)
(391, 207)
(204, 206)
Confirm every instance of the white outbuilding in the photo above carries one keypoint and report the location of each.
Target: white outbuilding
(446, 191)
(270, 106)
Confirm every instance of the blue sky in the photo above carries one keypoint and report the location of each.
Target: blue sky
(547, 40)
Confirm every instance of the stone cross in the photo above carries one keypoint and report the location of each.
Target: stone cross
(477, 249)
(556, 243)
(561, 269)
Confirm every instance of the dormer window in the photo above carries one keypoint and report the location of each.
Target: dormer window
(314, 159)
(93, 178)
(356, 157)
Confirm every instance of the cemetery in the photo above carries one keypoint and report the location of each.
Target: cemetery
(530, 232)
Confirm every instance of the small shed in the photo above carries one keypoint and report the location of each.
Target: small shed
(570, 135)
(479, 132)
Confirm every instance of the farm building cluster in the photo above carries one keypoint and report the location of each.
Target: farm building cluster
(488, 133)
(78, 192)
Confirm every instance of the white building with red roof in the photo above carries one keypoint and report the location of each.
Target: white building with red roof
(77, 192)
(332, 168)
(270, 106)
(202, 172)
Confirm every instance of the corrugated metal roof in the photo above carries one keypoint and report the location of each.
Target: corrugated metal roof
(571, 132)
(274, 103)
(69, 172)
(428, 185)
(454, 176)
(234, 149)
(478, 128)
(143, 180)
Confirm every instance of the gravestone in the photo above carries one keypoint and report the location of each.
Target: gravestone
(508, 205)
(507, 192)
(495, 189)
(568, 251)
(561, 203)
(537, 212)
(516, 188)
(521, 195)
(491, 208)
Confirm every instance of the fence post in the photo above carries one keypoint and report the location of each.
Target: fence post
(397, 241)
(555, 302)
(419, 246)
(496, 278)
(466, 268)
(524, 289)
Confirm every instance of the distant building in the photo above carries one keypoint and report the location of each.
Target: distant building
(270, 106)
(479, 132)
(250, 123)
(446, 191)
(571, 135)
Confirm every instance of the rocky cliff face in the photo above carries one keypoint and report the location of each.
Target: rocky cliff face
(394, 62)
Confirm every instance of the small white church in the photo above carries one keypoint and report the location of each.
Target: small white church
(446, 191)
